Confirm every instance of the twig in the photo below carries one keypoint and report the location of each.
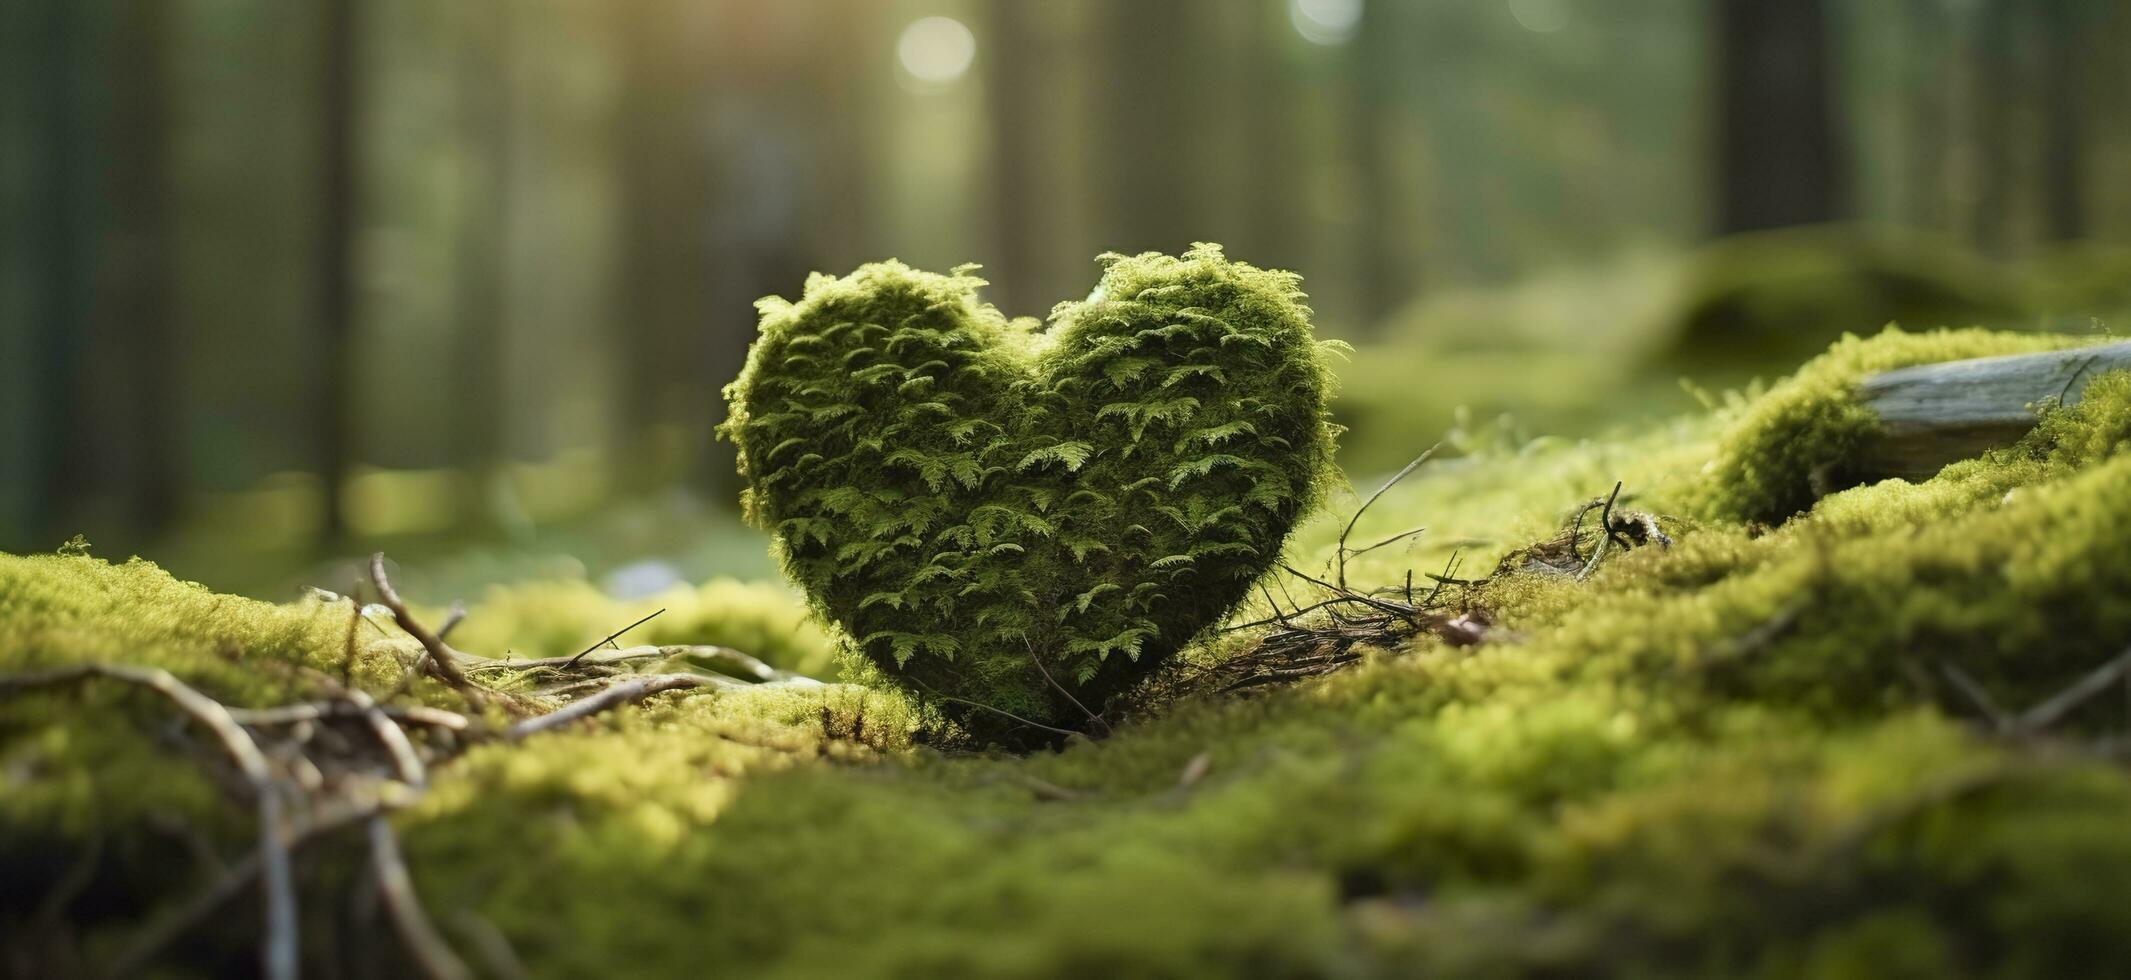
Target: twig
(491, 945)
(1976, 695)
(1046, 671)
(1279, 615)
(404, 759)
(2050, 712)
(1047, 790)
(1346, 595)
(439, 658)
(278, 947)
(617, 657)
(347, 651)
(429, 950)
(452, 618)
(1195, 770)
(318, 710)
(1605, 518)
(225, 889)
(732, 661)
(1394, 539)
(1605, 524)
(572, 662)
(627, 692)
(997, 711)
(1576, 526)
(1388, 484)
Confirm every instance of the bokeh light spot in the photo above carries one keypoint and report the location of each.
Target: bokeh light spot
(1540, 16)
(1325, 21)
(936, 50)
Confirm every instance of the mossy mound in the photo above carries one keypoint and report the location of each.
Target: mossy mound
(1784, 293)
(1761, 751)
(1026, 523)
(1801, 433)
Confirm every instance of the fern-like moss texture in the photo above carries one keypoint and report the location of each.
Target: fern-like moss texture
(1024, 519)
(1739, 756)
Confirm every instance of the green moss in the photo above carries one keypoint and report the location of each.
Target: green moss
(1026, 520)
(558, 619)
(1731, 757)
(60, 609)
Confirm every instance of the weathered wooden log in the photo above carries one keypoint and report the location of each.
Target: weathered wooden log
(1934, 414)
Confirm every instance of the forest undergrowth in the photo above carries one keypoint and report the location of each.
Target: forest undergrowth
(1635, 707)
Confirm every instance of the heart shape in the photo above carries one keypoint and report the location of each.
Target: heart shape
(1032, 520)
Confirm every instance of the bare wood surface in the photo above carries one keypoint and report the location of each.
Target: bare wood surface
(1935, 414)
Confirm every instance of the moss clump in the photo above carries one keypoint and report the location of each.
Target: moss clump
(71, 608)
(979, 504)
(1804, 429)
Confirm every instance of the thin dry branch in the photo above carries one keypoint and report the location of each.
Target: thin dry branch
(231, 883)
(1608, 535)
(405, 760)
(278, 945)
(395, 886)
(626, 692)
(438, 659)
(1002, 712)
(452, 618)
(311, 711)
(2050, 712)
(629, 655)
(1977, 696)
(609, 638)
(728, 661)
(1364, 508)
(1093, 718)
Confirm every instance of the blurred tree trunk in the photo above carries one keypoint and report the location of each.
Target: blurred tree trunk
(333, 413)
(1012, 99)
(1925, 144)
(665, 168)
(757, 118)
(2063, 118)
(1148, 150)
(136, 284)
(1383, 275)
(845, 69)
(1997, 77)
(1277, 224)
(63, 239)
(1778, 158)
(482, 297)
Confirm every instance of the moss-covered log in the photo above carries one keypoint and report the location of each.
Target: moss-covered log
(1933, 414)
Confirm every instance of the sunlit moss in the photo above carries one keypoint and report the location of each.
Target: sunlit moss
(1735, 756)
(558, 619)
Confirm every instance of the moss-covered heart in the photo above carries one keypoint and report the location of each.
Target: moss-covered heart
(1002, 514)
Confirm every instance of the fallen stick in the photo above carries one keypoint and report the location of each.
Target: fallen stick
(628, 692)
(437, 658)
(1935, 414)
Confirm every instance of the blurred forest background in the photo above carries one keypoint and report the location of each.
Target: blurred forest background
(283, 280)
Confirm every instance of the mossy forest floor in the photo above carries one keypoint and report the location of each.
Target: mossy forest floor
(1877, 734)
